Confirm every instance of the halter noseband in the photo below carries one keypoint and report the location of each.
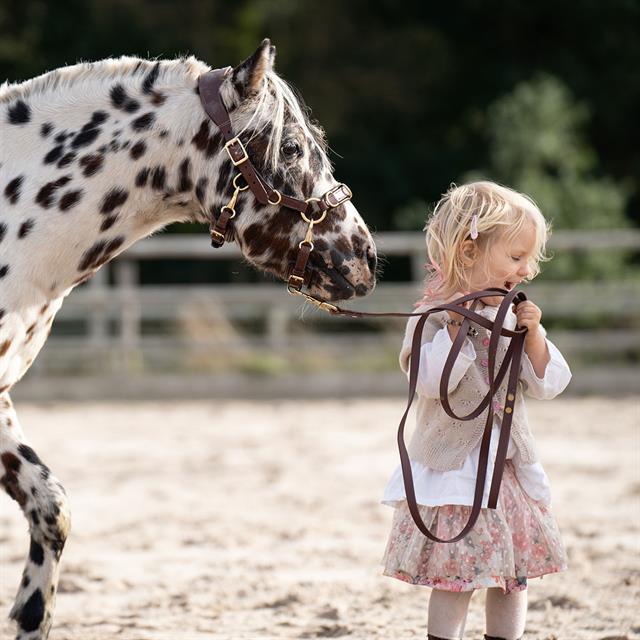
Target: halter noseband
(312, 210)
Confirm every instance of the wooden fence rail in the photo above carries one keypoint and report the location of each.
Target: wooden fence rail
(127, 330)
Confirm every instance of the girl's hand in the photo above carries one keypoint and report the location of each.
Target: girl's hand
(528, 315)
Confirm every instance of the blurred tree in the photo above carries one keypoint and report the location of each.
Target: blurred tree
(402, 90)
(537, 145)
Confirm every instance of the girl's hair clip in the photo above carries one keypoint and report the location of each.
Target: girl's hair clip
(474, 226)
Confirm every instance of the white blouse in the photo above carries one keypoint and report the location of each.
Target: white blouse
(435, 488)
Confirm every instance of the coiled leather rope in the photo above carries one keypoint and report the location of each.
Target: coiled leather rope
(511, 361)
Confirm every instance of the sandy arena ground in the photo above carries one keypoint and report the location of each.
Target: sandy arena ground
(262, 520)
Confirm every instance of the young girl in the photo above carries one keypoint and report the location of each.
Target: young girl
(480, 235)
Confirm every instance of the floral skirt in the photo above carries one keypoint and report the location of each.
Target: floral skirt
(507, 545)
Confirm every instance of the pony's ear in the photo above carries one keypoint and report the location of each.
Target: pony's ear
(248, 75)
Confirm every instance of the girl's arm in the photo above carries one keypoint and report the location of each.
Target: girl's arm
(555, 379)
(544, 371)
(535, 346)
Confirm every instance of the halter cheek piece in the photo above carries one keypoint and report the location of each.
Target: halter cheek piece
(312, 210)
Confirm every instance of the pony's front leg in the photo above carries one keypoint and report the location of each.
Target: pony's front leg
(44, 503)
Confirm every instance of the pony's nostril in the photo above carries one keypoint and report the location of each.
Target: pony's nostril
(372, 259)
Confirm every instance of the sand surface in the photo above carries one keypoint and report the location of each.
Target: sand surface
(262, 520)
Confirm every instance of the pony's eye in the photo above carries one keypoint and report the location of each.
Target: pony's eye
(291, 149)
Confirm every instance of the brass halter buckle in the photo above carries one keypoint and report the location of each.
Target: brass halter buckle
(236, 151)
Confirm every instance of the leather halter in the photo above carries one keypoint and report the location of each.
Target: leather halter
(511, 361)
(312, 210)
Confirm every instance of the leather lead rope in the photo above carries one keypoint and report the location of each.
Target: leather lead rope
(511, 361)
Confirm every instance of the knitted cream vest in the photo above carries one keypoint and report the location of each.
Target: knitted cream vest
(439, 441)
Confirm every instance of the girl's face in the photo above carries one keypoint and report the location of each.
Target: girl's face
(505, 266)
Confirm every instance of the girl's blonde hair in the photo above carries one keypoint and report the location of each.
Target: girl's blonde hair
(502, 214)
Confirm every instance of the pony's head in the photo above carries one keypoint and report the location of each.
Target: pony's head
(289, 151)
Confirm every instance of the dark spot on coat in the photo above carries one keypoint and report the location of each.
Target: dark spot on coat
(138, 149)
(185, 183)
(12, 466)
(224, 176)
(158, 178)
(36, 552)
(66, 159)
(4, 269)
(32, 612)
(25, 228)
(91, 164)
(141, 178)
(4, 347)
(143, 122)
(3, 230)
(70, 199)
(98, 117)
(150, 78)
(158, 98)
(25, 450)
(86, 136)
(107, 223)
(113, 198)
(201, 185)
(120, 99)
(46, 129)
(99, 253)
(12, 190)
(54, 155)
(46, 194)
(201, 138)
(19, 113)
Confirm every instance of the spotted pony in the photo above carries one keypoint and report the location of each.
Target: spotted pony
(96, 156)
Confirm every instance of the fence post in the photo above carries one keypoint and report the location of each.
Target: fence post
(277, 324)
(98, 321)
(126, 275)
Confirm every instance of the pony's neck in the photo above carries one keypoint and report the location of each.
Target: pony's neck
(143, 168)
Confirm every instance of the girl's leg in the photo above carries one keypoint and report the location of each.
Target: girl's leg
(505, 614)
(448, 613)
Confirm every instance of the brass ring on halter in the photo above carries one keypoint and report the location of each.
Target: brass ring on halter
(306, 242)
(246, 186)
(278, 201)
(312, 221)
(233, 211)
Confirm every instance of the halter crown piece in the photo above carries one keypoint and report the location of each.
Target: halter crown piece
(312, 210)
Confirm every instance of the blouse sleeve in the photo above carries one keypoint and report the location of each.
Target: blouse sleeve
(433, 356)
(556, 375)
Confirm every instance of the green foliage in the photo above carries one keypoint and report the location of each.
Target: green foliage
(403, 93)
(537, 145)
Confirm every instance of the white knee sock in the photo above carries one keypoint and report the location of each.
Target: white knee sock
(448, 613)
(506, 613)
